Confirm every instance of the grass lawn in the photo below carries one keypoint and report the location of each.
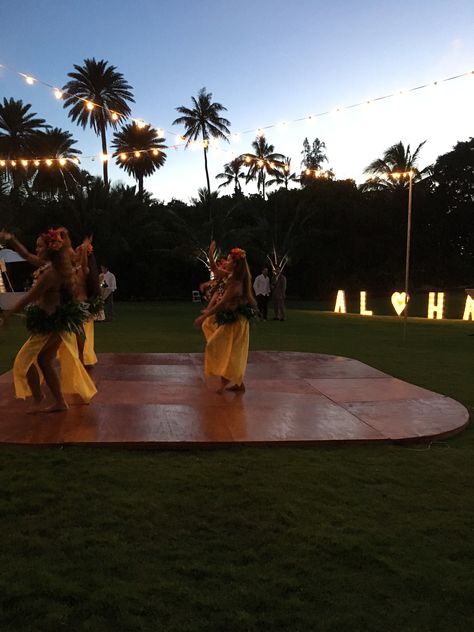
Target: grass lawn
(342, 539)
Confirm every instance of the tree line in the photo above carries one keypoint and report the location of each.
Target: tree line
(330, 232)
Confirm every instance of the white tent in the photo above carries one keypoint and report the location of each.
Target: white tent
(9, 256)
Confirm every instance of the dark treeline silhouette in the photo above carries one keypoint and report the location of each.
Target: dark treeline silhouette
(335, 234)
(330, 233)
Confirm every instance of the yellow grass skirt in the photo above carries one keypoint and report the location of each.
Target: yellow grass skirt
(227, 349)
(74, 378)
(89, 355)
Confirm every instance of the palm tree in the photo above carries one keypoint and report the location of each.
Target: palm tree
(396, 159)
(17, 128)
(203, 121)
(284, 176)
(98, 96)
(313, 157)
(262, 163)
(139, 151)
(64, 174)
(232, 174)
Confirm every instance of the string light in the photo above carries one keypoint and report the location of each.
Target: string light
(260, 131)
(63, 161)
(90, 105)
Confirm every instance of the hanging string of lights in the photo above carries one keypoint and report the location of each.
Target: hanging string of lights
(181, 141)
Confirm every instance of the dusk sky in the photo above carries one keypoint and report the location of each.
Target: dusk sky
(266, 62)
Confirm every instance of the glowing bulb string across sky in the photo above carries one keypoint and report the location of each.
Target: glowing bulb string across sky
(180, 139)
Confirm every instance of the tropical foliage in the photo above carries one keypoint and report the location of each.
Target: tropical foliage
(330, 233)
(232, 174)
(263, 162)
(203, 121)
(139, 151)
(18, 125)
(97, 95)
(396, 160)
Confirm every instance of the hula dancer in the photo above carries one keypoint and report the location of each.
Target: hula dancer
(87, 292)
(53, 318)
(86, 285)
(225, 324)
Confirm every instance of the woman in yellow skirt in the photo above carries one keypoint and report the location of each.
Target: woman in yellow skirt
(225, 324)
(86, 286)
(87, 292)
(53, 318)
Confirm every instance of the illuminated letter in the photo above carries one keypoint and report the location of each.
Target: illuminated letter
(363, 301)
(340, 302)
(469, 309)
(436, 308)
(399, 301)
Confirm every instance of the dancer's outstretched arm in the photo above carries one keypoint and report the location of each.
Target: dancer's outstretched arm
(12, 241)
(216, 271)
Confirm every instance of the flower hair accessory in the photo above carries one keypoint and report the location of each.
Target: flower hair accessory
(88, 246)
(53, 239)
(238, 253)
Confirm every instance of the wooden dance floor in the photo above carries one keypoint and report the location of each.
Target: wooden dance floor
(161, 400)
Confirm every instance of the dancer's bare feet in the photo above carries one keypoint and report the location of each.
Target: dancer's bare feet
(236, 388)
(224, 382)
(57, 407)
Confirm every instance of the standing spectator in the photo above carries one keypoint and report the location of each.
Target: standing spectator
(279, 294)
(261, 287)
(108, 285)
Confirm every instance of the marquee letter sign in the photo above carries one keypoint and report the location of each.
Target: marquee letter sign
(469, 309)
(399, 302)
(340, 306)
(363, 305)
(436, 304)
(435, 307)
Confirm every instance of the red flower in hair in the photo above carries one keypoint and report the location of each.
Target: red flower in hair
(238, 253)
(53, 239)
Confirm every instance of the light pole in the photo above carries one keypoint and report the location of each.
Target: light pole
(410, 175)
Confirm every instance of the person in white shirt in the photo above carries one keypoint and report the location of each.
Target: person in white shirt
(108, 286)
(261, 287)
